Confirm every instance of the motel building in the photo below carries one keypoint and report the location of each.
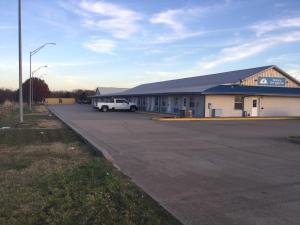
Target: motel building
(257, 92)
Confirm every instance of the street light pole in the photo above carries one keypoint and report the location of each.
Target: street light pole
(20, 62)
(29, 96)
(33, 80)
(30, 73)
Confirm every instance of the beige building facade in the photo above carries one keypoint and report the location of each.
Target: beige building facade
(258, 104)
(254, 106)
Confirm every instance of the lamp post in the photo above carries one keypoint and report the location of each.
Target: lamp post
(20, 60)
(33, 72)
(32, 53)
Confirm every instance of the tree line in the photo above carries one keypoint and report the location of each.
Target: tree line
(41, 91)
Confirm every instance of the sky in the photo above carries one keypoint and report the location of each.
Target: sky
(116, 43)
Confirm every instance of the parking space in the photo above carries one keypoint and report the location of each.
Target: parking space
(204, 172)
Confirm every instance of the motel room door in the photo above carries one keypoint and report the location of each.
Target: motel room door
(254, 111)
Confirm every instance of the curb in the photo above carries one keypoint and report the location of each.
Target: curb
(227, 119)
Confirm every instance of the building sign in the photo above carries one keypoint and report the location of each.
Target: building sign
(271, 81)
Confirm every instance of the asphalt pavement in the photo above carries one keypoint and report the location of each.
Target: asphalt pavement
(203, 172)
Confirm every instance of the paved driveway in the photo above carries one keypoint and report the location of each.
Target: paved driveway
(207, 172)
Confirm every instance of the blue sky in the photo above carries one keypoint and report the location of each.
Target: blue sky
(126, 43)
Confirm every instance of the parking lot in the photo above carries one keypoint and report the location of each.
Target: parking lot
(205, 172)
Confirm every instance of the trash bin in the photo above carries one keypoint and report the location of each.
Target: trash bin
(181, 113)
(186, 113)
(217, 112)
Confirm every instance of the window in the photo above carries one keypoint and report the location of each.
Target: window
(156, 100)
(141, 101)
(192, 102)
(254, 105)
(238, 103)
(107, 100)
(163, 101)
(184, 101)
(121, 101)
(176, 101)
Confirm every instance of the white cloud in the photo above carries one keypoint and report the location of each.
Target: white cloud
(171, 18)
(249, 49)
(100, 45)
(175, 19)
(269, 26)
(112, 18)
(181, 20)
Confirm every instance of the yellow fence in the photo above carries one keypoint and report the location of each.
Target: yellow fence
(59, 101)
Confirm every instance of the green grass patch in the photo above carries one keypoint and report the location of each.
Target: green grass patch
(95, 194)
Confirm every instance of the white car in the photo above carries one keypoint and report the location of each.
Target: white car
(105, 105)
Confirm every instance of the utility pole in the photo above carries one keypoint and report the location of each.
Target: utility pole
(20, 62)
(30, 91)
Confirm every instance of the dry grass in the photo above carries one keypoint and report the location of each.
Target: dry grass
(7, 108)
(40, 109)
(49, 176)
(50, 124)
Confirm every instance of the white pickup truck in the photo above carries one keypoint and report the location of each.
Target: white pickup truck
(116, 104)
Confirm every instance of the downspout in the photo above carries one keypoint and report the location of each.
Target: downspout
(243, 107)
(204, 112)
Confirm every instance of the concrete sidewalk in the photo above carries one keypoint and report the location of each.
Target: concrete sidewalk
(206, 172)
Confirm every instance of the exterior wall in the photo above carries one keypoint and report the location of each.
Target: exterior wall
(171, 103)
(280, 106)
(223, 102)
(199, 105)
(252, 81)
(59, 101)
(266, 106)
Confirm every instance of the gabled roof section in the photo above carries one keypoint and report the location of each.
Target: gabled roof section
(109, 90)
(287, 75)
(194, 84)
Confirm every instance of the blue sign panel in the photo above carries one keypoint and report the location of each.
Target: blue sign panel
(271, 81)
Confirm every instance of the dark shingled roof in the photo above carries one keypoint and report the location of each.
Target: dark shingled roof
(193, 84)
(253, 90)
